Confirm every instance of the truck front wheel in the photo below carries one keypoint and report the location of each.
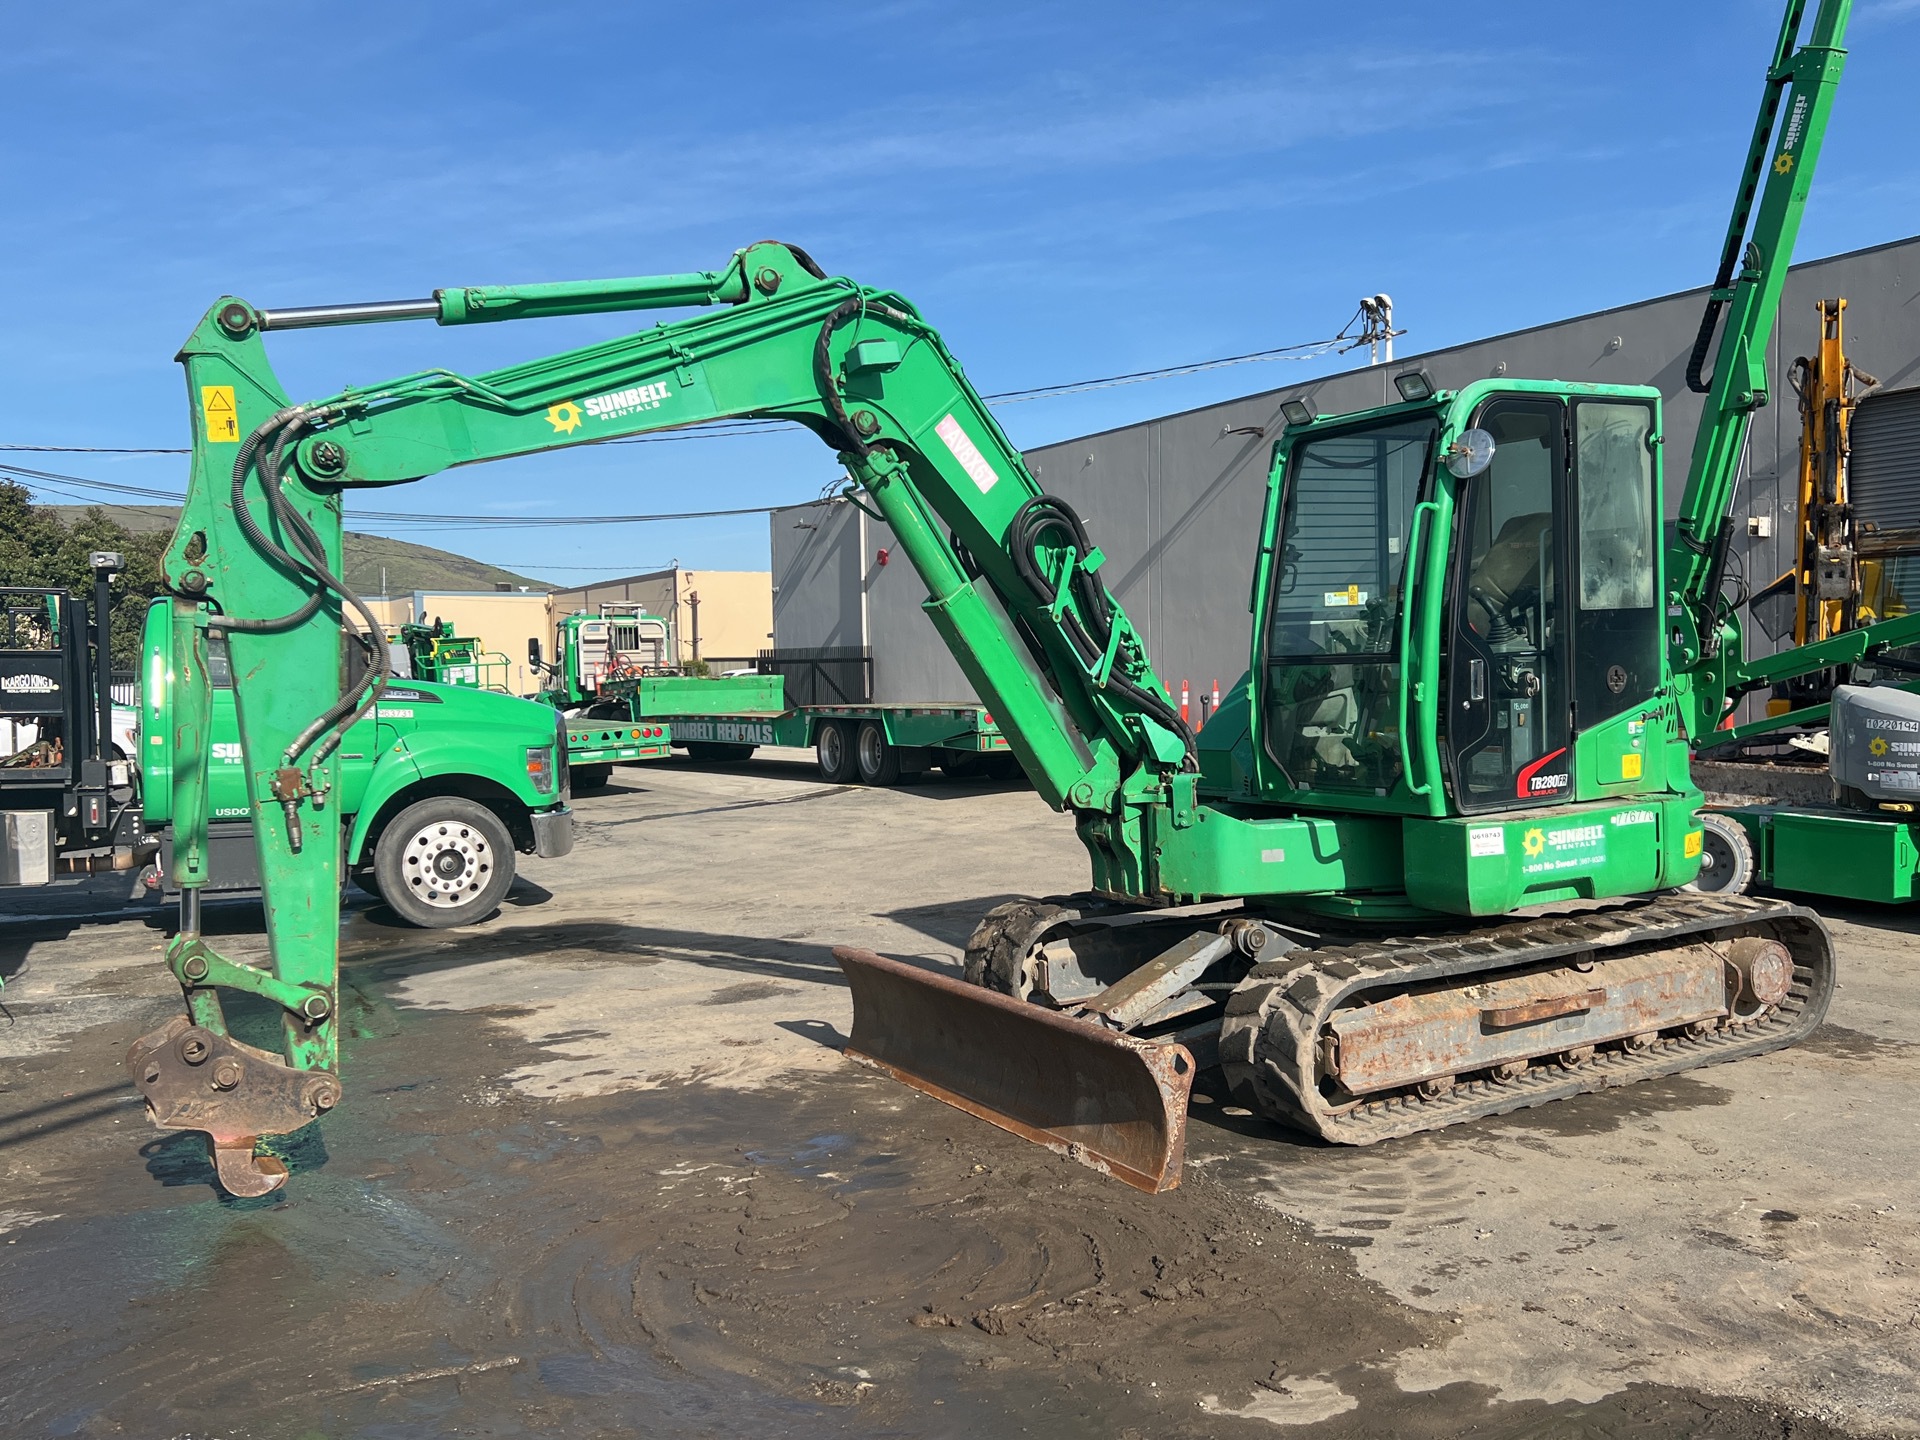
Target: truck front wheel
(444, 862)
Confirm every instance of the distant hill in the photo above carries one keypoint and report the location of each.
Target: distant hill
(375, 564)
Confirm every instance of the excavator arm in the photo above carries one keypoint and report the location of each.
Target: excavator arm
(1013, 584)
(1704, 640)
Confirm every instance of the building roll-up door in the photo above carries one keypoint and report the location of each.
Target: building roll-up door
(1883, 467)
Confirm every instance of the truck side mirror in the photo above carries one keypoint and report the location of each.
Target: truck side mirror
(533, 651)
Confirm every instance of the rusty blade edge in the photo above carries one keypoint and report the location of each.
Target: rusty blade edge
(1170, 1064)
(1072, 1150)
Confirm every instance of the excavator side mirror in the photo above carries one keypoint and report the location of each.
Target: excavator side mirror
(1471, 453)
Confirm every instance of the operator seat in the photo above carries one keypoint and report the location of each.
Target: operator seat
(1508, 572)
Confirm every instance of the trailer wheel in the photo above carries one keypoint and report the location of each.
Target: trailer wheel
(962, 764)
(1003, 766)
(591, 777)
(878, 758)
(833, 750)
(1726, 857)
(444, 862)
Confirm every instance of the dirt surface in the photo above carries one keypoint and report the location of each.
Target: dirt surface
(601, 1171)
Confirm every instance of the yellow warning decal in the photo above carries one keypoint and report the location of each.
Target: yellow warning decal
(1692, 846)
(1630, 767)
(223, 421)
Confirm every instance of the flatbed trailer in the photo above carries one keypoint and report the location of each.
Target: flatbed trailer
(1799, 838)
(725, 720)
(598, 742)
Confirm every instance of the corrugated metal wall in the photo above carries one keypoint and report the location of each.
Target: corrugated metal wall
(1174, 502)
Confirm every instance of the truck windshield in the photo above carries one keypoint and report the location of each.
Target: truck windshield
(1332, 701)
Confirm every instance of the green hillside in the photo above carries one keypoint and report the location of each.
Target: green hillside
(376, 565)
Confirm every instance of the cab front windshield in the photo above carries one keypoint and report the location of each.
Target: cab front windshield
(1332, 696)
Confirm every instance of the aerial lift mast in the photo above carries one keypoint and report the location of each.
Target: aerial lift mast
(1473, 680)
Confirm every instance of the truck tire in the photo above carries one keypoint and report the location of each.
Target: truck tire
(444, 862)
(1003, 767)
(1726, 857)
(962, 764)
(877, 757)
(710, 753)
(833, 750)
(591, 777)
(365, 881)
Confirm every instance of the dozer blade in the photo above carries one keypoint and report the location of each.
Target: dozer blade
(1110, 1101)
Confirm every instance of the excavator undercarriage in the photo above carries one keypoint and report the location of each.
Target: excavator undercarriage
(1352, 1036)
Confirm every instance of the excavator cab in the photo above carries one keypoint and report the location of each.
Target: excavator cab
(1481, 567)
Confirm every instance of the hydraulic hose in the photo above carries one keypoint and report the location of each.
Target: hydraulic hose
(345, 712)
(1088, 623)
(257, 454)
(243, 462)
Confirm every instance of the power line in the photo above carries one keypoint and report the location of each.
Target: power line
(721, 429)
(95, 450)
(395, 518)
(444, 523)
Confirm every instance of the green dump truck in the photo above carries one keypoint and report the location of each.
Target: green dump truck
(590, 680)
(441, 786)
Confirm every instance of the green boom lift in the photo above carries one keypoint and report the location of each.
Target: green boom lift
(1473, 675)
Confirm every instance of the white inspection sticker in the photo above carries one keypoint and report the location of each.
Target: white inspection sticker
(1273, 857)
(1488, 840)
(967, 453)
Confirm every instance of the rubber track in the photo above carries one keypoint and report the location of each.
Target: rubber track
(1269, 1040)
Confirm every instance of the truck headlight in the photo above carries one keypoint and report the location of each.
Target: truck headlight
(540, 768)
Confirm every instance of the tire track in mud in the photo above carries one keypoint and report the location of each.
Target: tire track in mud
(827, 1256)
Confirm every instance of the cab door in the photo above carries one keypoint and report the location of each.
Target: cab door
(1509, 710)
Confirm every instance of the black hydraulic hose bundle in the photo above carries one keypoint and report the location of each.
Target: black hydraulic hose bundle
(1088, 623)
(338, 718)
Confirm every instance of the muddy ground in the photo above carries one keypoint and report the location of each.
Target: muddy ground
(601, 1171)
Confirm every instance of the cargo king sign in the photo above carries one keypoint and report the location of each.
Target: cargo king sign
(726, 732)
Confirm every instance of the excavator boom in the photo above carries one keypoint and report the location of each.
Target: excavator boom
(1012, 580)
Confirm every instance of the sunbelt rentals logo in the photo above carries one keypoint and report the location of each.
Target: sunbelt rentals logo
(568, 415)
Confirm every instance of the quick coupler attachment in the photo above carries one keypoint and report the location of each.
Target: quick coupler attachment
(193, 1078)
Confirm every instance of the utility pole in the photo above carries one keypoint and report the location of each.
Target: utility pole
(1376, 313)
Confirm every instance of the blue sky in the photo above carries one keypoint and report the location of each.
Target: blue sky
(1066, 190)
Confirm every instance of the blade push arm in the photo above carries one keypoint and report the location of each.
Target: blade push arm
(1011, 576)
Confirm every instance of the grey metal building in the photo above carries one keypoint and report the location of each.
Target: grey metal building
(1175, 502)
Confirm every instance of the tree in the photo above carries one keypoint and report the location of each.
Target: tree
(38, 548)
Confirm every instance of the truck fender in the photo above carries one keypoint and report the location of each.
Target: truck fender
(387, 794)
(393, 777)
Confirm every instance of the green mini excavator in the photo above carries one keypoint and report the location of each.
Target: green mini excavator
(1426, 864)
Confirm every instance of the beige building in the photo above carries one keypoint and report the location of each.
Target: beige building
(724, 617)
